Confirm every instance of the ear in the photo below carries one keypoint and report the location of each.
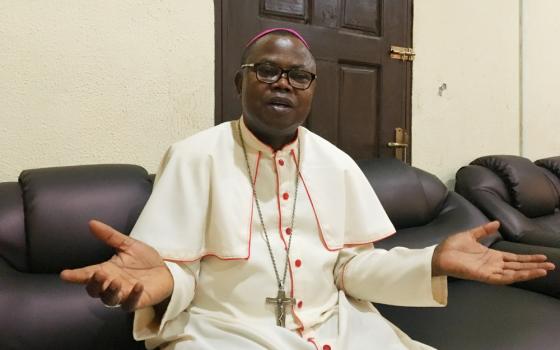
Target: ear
(238, 81)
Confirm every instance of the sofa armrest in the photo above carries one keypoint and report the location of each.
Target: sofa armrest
(550, 284)
(482, 316)
(40, 311)
(457, 215)
(13, 245)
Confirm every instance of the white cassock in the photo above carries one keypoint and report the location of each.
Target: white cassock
(202, 218)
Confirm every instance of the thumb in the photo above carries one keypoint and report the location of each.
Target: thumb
(109, 235)
(485, 230)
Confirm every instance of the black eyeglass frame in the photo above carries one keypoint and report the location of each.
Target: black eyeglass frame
(255, 67)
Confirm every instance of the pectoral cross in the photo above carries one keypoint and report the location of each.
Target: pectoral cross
(281, 302)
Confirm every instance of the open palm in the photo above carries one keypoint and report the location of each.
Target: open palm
(135, 277)
(461, 255)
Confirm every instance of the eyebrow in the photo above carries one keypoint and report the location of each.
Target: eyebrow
(298, 66)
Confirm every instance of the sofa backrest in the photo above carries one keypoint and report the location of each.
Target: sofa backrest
(410, 196)
(531, 190)
(524, 197)
(422, 209)
(49, 226)
(552, 167)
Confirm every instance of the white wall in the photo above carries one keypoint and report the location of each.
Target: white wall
(473, 48)
(541, 79)
(117, 81)
(103, 81)
(499, 61)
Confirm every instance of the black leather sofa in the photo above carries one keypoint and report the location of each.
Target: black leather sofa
(43, 229)
(478, 316)
(524, 196)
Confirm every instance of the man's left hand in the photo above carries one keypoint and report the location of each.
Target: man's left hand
(462, 256)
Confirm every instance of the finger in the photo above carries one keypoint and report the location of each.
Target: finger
(81, 275)
(130, 303)
(109, 235)
(98, 282)
(517, 276)
(524, 257)
(485, 230)
(111, 295)
(518, 266)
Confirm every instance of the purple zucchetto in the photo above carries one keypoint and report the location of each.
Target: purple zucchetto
(271, 30)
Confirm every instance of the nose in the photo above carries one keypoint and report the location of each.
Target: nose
(283, 83)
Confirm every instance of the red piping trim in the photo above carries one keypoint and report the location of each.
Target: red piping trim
(278, 202)
(295, 158)
(312, 341)
(369, 242)
(203, 256)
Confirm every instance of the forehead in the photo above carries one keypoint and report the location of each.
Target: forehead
(285, 50)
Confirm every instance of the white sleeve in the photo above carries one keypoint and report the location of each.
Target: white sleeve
(400, 276)
(147, 325)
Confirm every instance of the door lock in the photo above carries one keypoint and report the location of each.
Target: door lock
(400, 144)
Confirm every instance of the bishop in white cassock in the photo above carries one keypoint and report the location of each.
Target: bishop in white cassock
(259, 234)
(223, 273)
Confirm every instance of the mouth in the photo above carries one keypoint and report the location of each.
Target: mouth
(280, 103)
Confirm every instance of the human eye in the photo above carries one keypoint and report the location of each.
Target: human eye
(300, 75)
(268, 70)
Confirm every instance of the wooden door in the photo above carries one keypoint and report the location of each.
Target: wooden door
(362, 94)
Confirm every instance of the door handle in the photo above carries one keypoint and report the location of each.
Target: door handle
(400, 144)
(397, 145)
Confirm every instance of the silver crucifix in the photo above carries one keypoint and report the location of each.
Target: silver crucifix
(281, 302)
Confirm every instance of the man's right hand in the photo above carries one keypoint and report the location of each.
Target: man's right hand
(134, 278)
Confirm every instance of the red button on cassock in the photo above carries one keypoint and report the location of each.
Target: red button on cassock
(326, 347)
(298, 263)
(288, 231)
(281, 162)
(286, 196)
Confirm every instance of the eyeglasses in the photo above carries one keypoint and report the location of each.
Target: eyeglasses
(270, 73)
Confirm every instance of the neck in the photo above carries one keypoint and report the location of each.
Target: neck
(275, 141)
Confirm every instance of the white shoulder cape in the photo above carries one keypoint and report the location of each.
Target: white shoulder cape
(202, 201)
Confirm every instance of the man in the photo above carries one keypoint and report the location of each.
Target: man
(262, 234)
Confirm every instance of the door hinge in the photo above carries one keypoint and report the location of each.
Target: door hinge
(402, 53)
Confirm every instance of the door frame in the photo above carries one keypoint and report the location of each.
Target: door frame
(218, 112)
